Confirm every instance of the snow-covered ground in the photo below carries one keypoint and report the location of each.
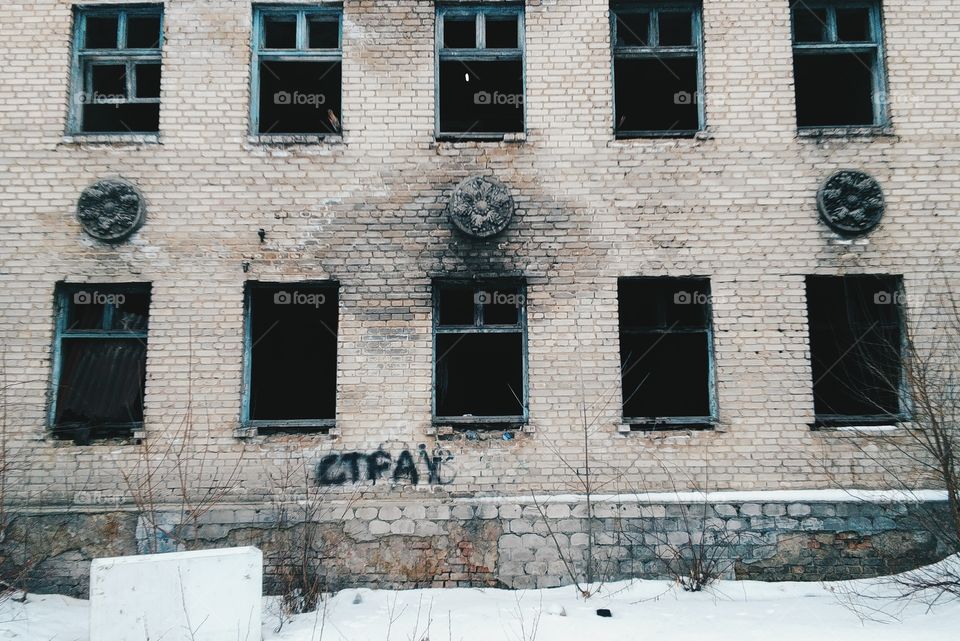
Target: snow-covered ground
(735, 610)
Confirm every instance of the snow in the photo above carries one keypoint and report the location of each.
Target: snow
(734, 610)
(733, 496)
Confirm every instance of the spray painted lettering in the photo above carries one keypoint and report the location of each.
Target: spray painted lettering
(356, 467)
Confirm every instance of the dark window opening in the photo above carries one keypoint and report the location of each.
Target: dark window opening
(297, 73)
(117, 91)
(479, 352)
(657, 70)
(855, 348)
(666, 351)
(299, 97)
(100, 360)
(480, 79)
(292, 356)
(838, 64)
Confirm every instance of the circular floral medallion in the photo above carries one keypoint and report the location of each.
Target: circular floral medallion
(851, 202)
(111, 210)
(480, 207)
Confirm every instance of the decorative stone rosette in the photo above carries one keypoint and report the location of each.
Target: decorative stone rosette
(851, 203)
(481, 207)
(111, 210)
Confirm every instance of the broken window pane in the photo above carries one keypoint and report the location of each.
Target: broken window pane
(323, 32)
(101, 381)
(131, 312)
(479, 375)
(456, 305)
(834, 89)
(460, 32)
(148, 80)
(101, 32)
(109, 81)
(143, 32)
(676, 28)
(299, 97)
(481, 96)
(502, 32)
(633, 29)
(293, 365)
(656, 94)
(280, 32)
(809, 25)
(501, 306)
(855, 347)
(853, 25)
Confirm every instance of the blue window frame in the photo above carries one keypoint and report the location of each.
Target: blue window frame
(479, 71)
(296, 75)
(657, 69)
(116, 70)
(666, 353)
(479, 352)
(290, 356)
(838, 64)
(99, 360)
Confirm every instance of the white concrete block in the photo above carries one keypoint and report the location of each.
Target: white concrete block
(210, 595)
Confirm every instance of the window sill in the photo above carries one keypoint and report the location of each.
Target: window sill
(131, 140)
(665, 425)
(660, 135)
(816, 133)
(861, 428)
(287, 140)
(263, 429)
(471, 138)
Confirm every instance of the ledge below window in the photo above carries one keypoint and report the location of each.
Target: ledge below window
(287, 140)
(815, 133)
(112, 434)
(131, 140)
(253, 429)
(510, 137)
(684, 424)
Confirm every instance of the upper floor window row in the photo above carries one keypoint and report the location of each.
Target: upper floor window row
(657, 54)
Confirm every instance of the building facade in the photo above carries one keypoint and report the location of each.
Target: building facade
(412, 261)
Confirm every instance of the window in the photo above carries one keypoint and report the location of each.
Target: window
(666, 352)
(297, 70)
(116, 70)
(480, 71)
(100, 358)
(838, 64)
(290, 377)
(479, 352)
(855, 348)
(657, 69)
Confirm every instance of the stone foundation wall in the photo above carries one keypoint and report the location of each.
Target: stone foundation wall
(512, 543)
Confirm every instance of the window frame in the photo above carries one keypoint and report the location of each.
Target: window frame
(478, 54)
(304, 426)
(63, 292)
(617, 52)
(905, 413)
(881, 109)
(477, 327)
(302, 53)
(675, 422)
(83, 60)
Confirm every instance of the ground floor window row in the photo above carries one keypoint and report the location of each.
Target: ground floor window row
(667, 360)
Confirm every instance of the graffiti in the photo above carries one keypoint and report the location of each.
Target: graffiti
(407, 467)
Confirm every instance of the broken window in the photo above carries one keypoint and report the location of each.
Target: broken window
(666, 352)
(838, 64)
(480, 352)
(855, 348)
(290, 378)
(657, 69)
(116, 70)
(100, 360)
(480, 77)
(297, 70)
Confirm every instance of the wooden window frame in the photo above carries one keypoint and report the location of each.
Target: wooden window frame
(478, 54)
(64, 292)
(881, 112)
(83, 61)
(478, 327)
(655, 51)
(677, 422)
(301, 54)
